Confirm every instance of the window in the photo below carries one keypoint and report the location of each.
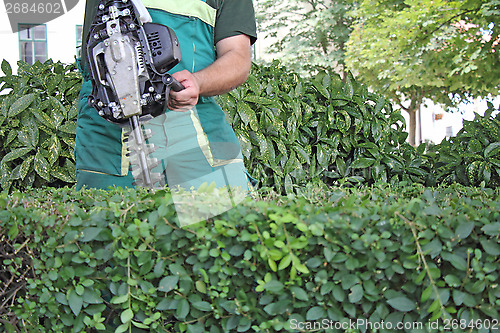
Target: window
(32, 43)
(79, 34)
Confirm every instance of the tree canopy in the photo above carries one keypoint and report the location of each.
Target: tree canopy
(444, 50)
(307, 34)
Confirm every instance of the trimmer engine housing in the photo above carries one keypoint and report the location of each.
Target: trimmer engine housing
(128, 58)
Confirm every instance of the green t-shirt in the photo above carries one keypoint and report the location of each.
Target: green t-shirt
(234, 17)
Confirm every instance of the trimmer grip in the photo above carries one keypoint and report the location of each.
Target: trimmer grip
(173, 83)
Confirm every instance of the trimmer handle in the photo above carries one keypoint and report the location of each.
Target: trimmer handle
(173, 83)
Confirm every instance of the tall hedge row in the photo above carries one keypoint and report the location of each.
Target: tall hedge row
(472, 157)
(38, 124)
(116, 262)
(293, 131)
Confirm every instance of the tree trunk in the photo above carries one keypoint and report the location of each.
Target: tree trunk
(412, 126)
(415, 102)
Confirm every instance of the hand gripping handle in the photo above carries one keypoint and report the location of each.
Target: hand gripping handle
(173, 83)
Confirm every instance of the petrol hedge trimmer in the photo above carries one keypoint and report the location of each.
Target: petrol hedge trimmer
(128, 58)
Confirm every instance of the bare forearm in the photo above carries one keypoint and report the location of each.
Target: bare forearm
(226, 73)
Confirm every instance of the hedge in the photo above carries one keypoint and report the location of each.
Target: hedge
(472, 157)
(292, 130)
(116, 261)
(38, 125)
(295, 130)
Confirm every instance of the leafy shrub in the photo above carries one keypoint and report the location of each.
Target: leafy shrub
(294, 131)
(472, 157)
(38, 125)
(73, 261)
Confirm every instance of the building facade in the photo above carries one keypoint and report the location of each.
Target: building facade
(58, 39)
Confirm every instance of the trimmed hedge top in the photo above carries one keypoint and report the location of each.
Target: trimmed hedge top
(95, 260)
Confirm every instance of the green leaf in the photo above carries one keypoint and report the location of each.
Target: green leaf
(90, 233)
(91, 296)
(79, 289)
(356, 294)
(432, 210)
(341, 167)
(464, 229)
(72, 114)
(11, 137)
(119, 299)
(380, 105)
(348, 88)
(258, 100)
(248, 116)
(263, 146)
(42, 166)
(15, 174)
(16, 153)
(202, 306)
(6, 68)
(362, 163)
(68, 127)
(168, 283)
(126, 316)
(274, 286)
(59, 112)
(285, 262)
(44, 119)
(491, 229)
(426, 294)
(21, 104)
(477, 287)
(34, 134)
(452, 280)
(315, 313)
(457, 261)
(54, 149)
(368, 145)
(182, 309)
(402, 304)
(64, 174)
(139, 325)
(492, 149)
(338, 293)
(75, 302)
(322, 89)
(322, 157)
(291, 164)
(122, 328)
(302, 154)
(24, 138)
(298, 265)
(272, 264)
(299, 293)
(490, 246)
(340, 101)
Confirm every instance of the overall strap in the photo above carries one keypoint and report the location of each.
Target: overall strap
(191, 8)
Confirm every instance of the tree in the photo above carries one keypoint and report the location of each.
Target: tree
(308, 34)
(444, 50)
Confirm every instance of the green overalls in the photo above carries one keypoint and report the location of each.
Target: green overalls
(194, 147)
